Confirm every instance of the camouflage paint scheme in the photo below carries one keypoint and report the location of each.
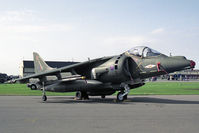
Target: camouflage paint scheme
(106, 75)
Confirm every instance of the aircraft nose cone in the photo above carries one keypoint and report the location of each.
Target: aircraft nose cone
(192, 64)
(177, 63)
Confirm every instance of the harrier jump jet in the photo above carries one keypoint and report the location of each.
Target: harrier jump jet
(106, 75)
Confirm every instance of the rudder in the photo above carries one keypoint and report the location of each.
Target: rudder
(39, 64)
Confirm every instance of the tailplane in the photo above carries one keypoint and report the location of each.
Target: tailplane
(40, 64)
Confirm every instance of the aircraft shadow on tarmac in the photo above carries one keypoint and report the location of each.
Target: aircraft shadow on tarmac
(161, 100)
(71, 100)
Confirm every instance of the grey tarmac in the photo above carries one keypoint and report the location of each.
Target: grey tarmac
(63, 114)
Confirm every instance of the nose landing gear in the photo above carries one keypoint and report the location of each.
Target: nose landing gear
(122, 95)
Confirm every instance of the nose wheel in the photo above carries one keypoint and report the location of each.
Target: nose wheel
(122, 95)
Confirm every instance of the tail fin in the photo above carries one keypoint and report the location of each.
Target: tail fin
(40, 64)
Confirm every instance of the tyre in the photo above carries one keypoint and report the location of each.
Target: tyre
(103, 96)
(33, 87)
(78, 95)
(44, 97)
(120, 98)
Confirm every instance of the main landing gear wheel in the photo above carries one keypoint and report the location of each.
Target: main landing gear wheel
(78, 95)
(81, 95)
(103, 96)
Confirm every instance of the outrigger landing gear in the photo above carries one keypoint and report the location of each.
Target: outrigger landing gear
(44, 97)
(81, 95)
(122, 95)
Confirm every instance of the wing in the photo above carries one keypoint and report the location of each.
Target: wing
(72, 68)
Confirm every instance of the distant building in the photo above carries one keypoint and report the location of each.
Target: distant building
(183, 75)
(27, 66)
(186, 75)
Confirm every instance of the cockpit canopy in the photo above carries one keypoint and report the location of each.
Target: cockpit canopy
(143, 51)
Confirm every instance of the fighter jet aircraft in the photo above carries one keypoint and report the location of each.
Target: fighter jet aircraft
(106, 75)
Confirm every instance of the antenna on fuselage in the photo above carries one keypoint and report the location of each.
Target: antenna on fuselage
(170, 54)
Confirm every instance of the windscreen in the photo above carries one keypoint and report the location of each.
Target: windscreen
(137, 51)
(147, 52)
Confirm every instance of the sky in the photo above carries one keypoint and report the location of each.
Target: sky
(73, 30)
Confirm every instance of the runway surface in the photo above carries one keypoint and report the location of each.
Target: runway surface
(140, 114)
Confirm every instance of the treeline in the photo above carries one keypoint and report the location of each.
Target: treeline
(4, 77)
